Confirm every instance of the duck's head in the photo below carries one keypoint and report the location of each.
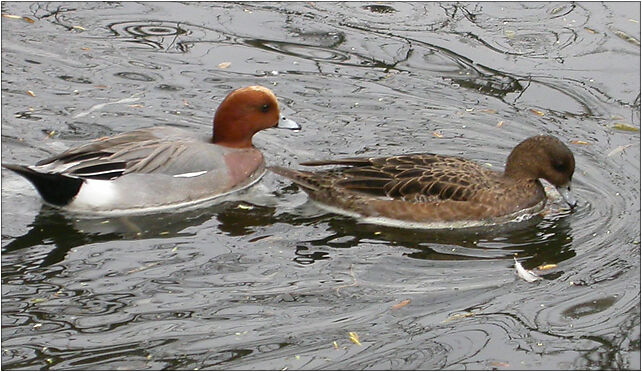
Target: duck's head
(544, 157)
(244, 112)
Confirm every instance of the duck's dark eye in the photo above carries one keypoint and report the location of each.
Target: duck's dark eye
(560, 166)
(265, 108)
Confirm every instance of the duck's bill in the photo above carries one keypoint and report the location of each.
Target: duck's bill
(565, 191)
(286, 123)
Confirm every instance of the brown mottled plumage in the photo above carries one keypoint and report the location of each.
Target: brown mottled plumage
(429, 188)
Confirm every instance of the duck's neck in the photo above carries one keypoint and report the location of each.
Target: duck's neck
(519, 167)
(231, 136)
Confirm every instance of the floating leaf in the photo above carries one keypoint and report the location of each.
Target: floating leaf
(489, 111)
(546, 267)
(245, 207)
(579, 142)
(354, 337)
(458, 316)
(499, 364)
(38, 300)
(590, 30)
(625, 127)
(11, 16)
(401, 304)
(500, 124)
(509, 34)
(141, 268)
(224, 64)
(558, 9)
(335, 344)
(28, 20)
(437, 134)
(537, 112)
(138, 105)
(79, 28)
(31, 93)
(624, 36)
(618, 149)
(527, 275)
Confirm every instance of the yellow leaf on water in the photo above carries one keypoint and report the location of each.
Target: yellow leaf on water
(537, 112)
(458, 316)
(618, 150)
(499, 364)
(590, 30)
(401, 304)
(630, 39)
(31, 93)
(11, 16)
(437, 134)
(224, 64)
(546, 267)
(579, 142)
(354, 337)
(500, 124)
(79, 28)
(28, 20)
(625, 127)
(335, 344)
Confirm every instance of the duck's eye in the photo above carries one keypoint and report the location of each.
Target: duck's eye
(265, 108)
(559, 166)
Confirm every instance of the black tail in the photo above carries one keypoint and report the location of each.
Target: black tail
(56, 189)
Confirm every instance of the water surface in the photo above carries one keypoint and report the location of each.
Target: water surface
(267, 280)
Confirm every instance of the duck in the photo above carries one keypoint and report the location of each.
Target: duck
(162, 167)
(426, 190)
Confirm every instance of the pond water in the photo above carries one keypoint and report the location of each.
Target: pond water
(266, 279)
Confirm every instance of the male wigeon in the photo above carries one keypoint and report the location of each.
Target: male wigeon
(434, 191)
(161, 167)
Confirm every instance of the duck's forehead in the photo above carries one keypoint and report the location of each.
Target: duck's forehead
(256, 89)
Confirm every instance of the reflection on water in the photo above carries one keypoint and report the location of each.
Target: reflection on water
(270, 281)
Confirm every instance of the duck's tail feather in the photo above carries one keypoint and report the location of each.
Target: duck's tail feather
(301, 178)
(56, 189)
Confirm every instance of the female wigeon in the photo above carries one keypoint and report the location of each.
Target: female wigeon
(433, 191)
(161, 167)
